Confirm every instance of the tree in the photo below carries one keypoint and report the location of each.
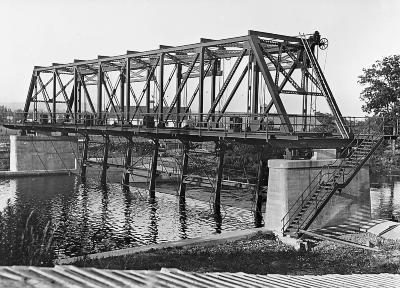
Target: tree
(325, 123)
(382, 91)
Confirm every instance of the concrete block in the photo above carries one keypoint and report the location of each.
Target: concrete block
(323, 154)
(38, 153)
(288, 179)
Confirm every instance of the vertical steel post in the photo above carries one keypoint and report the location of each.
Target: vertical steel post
(249, 81)
(99, 95)
(54, 116)
(84, 158)
(148, 100)
(213, 83)
(201, 86)
(179, 93)
(105, 160)
(80, 98)
(122, 97)
(75, 99)
(128, 89)
(153, 172)
(128, 160)
(35, 108)
(218, 182)
(185, 161)
(254, 100)
(304, 88)
(161, 89)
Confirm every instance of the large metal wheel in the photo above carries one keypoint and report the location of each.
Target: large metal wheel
(323, 43)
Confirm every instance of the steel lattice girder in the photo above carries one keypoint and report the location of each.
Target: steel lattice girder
(268, 53)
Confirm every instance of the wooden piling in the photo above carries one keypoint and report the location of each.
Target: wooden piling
(185, 160)
(84, 158)
(103, 178)
(127, 164)
(262, 184)
(218, 182)
(153, 172)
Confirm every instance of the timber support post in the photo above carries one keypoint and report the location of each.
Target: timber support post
(153, 172)
(262, 185)
(185, 160)
(105, 160)
(84, 158)
(127, 164)
(218, 183)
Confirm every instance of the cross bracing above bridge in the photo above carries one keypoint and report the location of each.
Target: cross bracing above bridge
(170, 86)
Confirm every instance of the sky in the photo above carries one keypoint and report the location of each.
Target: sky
(42, 32)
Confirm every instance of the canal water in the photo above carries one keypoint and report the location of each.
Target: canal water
(385, 197)
(90, 218)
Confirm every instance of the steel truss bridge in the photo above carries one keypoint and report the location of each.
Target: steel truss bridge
(216, 90)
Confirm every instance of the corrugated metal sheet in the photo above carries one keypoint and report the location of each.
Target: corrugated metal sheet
(70, 276)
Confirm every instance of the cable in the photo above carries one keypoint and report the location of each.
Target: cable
(37, 154)
(326, 56)
(62, 161)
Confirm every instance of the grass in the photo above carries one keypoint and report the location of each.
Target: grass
(22, 240)
(262, 254)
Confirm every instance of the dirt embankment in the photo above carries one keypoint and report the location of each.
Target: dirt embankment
(262, 254)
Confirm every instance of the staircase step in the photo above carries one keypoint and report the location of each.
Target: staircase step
(354, 162)
(325, 189)
(326, 184)
(366, 149)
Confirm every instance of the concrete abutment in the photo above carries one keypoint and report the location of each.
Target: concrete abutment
(43, 154)
(289, 178)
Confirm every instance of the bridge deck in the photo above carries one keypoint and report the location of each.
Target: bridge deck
(198, 134)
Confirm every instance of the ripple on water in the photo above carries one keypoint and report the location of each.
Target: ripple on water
(90, 218)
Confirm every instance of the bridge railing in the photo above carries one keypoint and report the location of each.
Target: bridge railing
(225, 122)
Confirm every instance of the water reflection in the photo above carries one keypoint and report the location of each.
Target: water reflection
(89, 218)
(182, 219)
(385, 198)
(153, 228)
(218, 222)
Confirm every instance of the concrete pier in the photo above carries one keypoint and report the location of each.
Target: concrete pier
(289, 178)
(42, 154)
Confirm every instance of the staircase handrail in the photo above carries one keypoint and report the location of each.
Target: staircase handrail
(373, 137)
(319, 200)
(325, 170)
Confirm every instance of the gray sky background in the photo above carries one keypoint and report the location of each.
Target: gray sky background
(41, 32)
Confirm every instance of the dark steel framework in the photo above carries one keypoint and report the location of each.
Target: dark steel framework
(154, 94)
(110, 85)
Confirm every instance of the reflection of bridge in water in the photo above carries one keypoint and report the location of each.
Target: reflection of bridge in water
(231, 90)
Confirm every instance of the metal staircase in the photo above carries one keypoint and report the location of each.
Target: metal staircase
(330, 179)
